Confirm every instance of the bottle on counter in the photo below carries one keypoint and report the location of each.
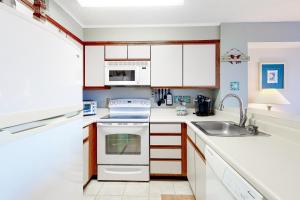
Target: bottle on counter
(169, 101)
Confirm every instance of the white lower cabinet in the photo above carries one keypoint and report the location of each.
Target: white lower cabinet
(165, 167)
(166, 150)
(200, 169)
(85, 162)
(165, 153)
(196, 167)
(165, 140)
(191, 175)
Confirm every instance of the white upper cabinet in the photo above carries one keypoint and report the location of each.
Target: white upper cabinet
(138, 51)
(94, 66)
(166, 65)
(116, 52)
(199, 65)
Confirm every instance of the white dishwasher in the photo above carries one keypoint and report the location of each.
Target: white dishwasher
(224, 183)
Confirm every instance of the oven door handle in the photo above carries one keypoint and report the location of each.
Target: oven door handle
(123, 124)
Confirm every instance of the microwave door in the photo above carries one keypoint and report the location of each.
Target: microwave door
(121, 76)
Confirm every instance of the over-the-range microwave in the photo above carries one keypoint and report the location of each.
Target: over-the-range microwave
(127, 73)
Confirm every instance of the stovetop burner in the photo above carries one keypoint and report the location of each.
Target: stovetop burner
(128, 110)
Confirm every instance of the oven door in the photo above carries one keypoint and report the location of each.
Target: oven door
(123, 143)
(121, 75)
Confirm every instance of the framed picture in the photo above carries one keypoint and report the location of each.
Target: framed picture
(272, 75)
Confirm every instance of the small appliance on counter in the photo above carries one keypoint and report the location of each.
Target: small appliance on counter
(203, 106)
(89, 108)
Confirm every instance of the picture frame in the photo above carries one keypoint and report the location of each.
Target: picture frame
(272, 75)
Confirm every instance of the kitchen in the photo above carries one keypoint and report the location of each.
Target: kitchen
(173, 107)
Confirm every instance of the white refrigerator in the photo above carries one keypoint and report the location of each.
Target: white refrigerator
(40, 111)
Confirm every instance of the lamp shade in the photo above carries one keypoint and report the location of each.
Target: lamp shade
(270, 96)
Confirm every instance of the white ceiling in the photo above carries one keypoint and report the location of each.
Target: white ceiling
(193, 13)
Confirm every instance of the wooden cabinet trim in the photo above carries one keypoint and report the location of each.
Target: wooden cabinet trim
(165, 146)
(186, 87)
(29, 5)
(97, 88)
(184, 149)
(165, 134)
(166, 175)
(131, 59)
(92, 150)
(218, 73)
(157, 42)
(166, 159)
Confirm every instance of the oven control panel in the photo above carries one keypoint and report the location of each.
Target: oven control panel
(135, 103)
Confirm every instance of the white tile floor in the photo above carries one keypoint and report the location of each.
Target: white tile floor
(134, 190)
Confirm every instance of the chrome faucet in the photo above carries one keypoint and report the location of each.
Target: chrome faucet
(243, 112)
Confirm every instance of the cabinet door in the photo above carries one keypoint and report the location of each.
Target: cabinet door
(85, 162)
(166, 65)
(199, 65)
(94, 66)
(200, 177)
(191, 175)
(116, 52)
(139, 52)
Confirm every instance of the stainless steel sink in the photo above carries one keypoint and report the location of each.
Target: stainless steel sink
(224, 129)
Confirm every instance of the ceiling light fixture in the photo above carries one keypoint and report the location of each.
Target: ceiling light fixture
(129, 3)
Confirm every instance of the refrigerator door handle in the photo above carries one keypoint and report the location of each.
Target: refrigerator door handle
(36, 124)
(23, 127)
(73, 114)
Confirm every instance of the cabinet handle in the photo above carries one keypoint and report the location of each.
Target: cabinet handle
(251, 194)
(35, 124)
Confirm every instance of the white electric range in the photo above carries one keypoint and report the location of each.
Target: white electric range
(123, 141)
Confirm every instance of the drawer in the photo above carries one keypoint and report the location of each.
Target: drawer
(165, 167)
(165, 128)
(191, 134)
(123, 173)
(200, 144)
(85, 132)
(165, 153)
(165, 140)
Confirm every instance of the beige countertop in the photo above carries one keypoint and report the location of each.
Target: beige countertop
(271, 164)
(101, 112)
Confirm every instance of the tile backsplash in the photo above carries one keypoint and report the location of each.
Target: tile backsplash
(103, 96)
